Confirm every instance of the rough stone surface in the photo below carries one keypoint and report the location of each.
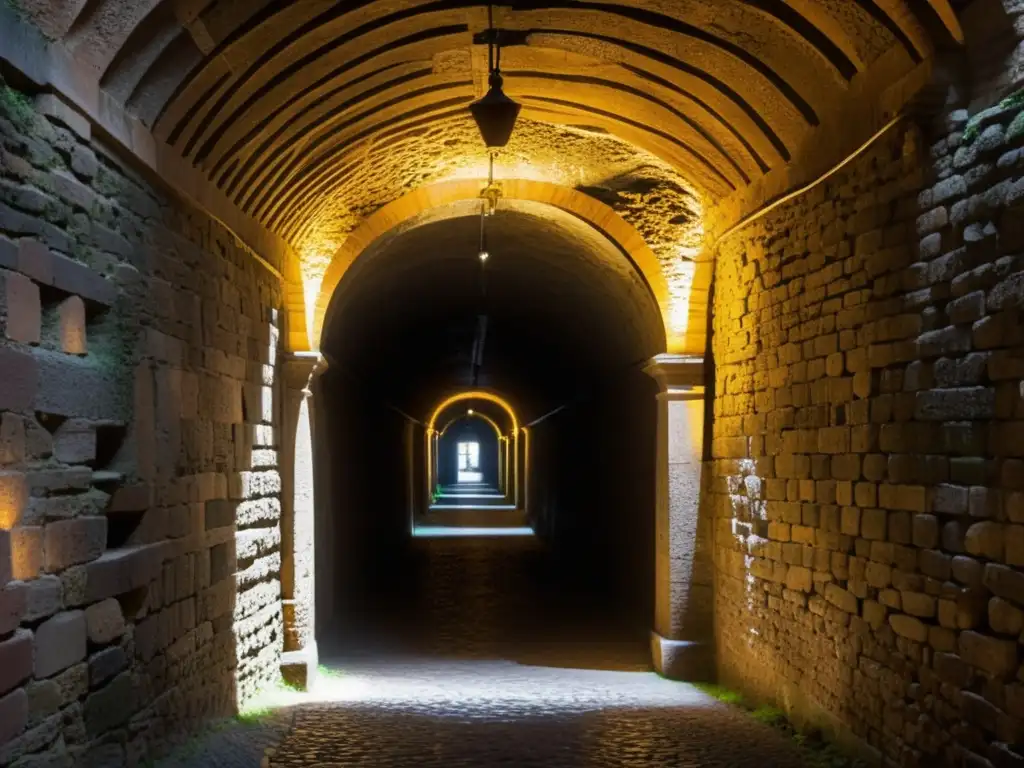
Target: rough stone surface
(128, 321)
(893, 347)
(59, 643)
(104, 622)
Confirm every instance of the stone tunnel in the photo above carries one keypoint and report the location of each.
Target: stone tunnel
(712, 373)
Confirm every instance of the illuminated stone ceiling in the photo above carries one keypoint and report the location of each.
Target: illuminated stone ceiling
(310, 115)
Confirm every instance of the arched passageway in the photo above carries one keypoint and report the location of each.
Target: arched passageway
(544, 343)
(748, 353)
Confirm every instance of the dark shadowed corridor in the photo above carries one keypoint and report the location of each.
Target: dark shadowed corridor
(495, 597)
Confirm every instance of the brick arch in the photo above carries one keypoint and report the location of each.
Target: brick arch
(476, 414)
(683, 317)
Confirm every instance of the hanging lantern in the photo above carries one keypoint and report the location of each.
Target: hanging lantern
(495, 114)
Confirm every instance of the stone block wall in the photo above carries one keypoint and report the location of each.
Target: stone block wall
(139, 494)
(867, 480)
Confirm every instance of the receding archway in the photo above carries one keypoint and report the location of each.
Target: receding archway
(570, 322)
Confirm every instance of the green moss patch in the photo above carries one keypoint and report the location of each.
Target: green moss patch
(816, 750)
(16, 106)
(973, 128)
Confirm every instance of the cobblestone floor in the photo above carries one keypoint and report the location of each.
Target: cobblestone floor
(491, 713)
(491, 661)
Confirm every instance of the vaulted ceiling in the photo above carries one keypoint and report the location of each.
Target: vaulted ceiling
(309, 115)
(279, 101)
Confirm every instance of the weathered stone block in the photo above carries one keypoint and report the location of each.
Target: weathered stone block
(43, 598)
(841, 598)
(918, 604)
(6, 558)
(44, 699)
(959, 403)
(1014, 554)
(35, 260)
(20, 308)
(909, 627)
(110, 706)
(1005, 582)
(105, 622)
(935, 564)
(799, 579)
(70, 386)
(13, 602)
(73, 542)
(873, 524)
(996, 657)
(12, 439)
(60, 642)
(73, 683)
(15, 660)
(26, 552)
(74, 442)
(13, 715)
(985, 539)
(1007, 294)
(106, 664)
(1005, 618)
(78, 279)
(120, 571)
(925, 533)
(13, 497)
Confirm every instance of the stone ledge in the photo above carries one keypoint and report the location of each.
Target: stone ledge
(684, 660)
(299, 668)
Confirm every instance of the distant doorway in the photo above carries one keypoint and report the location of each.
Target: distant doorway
(469, 463)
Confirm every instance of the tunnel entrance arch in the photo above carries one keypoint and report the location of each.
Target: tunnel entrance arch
(682, 303)
(510, 466)
(591, 313)
(500, 455)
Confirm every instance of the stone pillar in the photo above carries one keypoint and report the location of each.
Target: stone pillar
(504, 465)
(682, 641)
(300, 659)
(430, 449)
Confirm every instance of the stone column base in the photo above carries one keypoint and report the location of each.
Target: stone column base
(298, 668)
(685, 660)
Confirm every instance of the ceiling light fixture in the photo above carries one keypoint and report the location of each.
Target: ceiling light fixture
(495, 114)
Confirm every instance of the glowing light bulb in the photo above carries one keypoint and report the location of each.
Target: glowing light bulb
(469, 412)
(484, 255)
